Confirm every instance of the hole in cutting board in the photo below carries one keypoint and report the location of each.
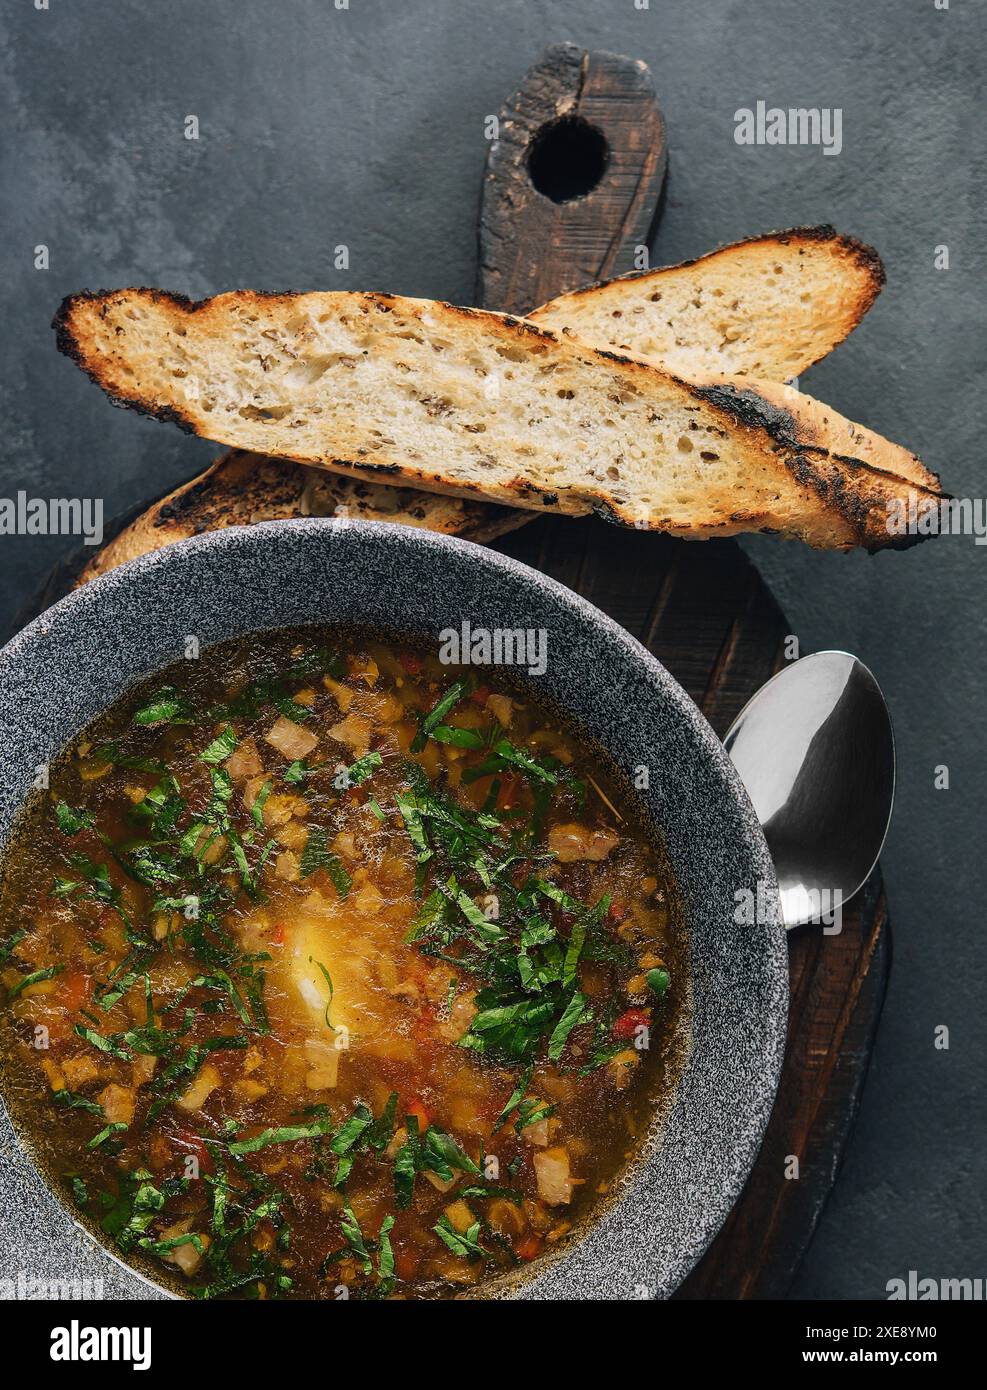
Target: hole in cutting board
(567, 158)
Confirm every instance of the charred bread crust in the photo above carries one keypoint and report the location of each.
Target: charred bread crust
(68, 344)
(751, 409)
(807, 461)
(240, 488)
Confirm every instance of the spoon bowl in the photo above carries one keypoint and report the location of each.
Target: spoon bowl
(815, 750)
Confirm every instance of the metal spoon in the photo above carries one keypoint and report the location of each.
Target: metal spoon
(815, 750)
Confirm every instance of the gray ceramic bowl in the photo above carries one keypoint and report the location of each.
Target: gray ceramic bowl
(84, 652)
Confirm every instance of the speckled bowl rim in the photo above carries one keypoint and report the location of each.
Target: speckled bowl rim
(122, 627)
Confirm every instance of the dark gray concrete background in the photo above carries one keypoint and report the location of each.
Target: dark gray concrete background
(365, 127)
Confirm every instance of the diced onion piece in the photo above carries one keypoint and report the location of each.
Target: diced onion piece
(342, 694)
(56, 1079)
(249, 1088)
(244, 761)
(142, 1068)
(207, 1081)
(309, 991)
(79, 1071)
(184, 1256)
(461, 1015)
(293, 836)
(552, 1172)
(279, 809)
(292, 741)
(354, 732)
(385, 707)
(119, 1103)
(369, 900)
(536, 1134)
(323, 1062)
(398, 1141)
(441, 1184)
(363, 668)
(286, 866)
(459, 1216)
(506, 1217)
(502, 709)
(621, 1067)
(92, 769)
(215, 849)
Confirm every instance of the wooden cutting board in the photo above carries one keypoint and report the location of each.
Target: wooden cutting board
(589, 124)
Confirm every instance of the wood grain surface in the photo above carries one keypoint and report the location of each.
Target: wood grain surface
(531, 247)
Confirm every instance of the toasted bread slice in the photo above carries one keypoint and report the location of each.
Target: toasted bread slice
(770, 305)
(767, 307)
(482, 405)
(725, 310)
(240, 489)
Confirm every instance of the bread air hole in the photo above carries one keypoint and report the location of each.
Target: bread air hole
(306, 372)
(263, 414)
(511, 354)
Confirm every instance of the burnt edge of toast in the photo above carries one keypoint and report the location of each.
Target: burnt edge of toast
(68, 344)
(754, 411)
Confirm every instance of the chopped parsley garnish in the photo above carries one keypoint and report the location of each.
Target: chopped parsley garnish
(221, 747)
(658, 981)
(164, 708)
(438, 712)
(465, 1244)
(363, 768)
(8, 947)
(71, 1100)
(257, 809)
(35, 978)
(317, 855)
(69, 821)
(288, 1134)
